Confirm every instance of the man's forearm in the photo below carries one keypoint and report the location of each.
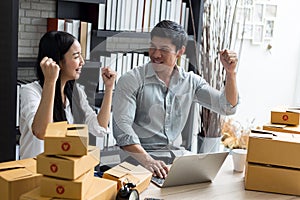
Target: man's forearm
(157, 167)
(231, 90)
(138, 153)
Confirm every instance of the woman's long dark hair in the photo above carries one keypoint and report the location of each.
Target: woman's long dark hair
(55, 44)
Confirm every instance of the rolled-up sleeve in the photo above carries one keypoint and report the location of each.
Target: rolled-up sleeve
(91, 116)
(228, 109)
(124, 106)
(213, 99)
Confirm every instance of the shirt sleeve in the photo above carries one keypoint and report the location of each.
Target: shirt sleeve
(30, 99)
(212, 98)
(30, 96)
(91, 116)
(124, 106)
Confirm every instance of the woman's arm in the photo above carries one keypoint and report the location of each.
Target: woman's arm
(109, 77)
(44, 114)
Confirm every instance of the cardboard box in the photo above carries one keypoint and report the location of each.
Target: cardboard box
(62, 188)
(281, 149)
(100, 189)
(68, 167)
(66, 139)
(282, 128)
(126, 172)
(18, 177)
(273, 163)
(272, 179)
(288, 117)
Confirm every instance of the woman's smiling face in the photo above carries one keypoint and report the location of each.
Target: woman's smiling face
(72, 63)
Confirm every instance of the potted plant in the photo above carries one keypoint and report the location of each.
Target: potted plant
(235, 135)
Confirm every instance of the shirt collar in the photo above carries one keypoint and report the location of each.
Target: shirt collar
(150, 71)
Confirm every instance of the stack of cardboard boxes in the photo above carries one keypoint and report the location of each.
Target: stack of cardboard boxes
(65, 170)
(284, 120)
(67, 166)
(273, 161)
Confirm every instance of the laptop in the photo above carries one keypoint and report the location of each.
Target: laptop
(191, 169)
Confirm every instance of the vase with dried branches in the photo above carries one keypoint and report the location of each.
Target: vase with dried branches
(217, 34)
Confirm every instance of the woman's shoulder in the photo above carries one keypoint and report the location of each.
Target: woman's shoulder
(30, 90)
(80, 89)
(35, 85)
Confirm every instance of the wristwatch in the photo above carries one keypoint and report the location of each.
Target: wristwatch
(128, 193)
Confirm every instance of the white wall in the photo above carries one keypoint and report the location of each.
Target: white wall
(267, 79)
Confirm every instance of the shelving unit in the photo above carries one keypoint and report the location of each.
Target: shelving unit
(103, 33)
(8, 56)
(87, 10)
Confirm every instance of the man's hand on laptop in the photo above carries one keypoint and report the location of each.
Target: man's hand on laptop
(157, 167)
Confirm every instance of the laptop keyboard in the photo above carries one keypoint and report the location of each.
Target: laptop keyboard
(157, 180)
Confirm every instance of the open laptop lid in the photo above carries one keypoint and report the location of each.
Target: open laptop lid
(195, 168)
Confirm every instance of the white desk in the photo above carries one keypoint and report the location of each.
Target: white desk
(228, 185)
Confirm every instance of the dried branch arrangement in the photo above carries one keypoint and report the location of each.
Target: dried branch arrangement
(218, 34)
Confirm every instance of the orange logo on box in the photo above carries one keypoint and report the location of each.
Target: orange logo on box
(285, 117)
(60, 189)
(65, 146)
(53, 168)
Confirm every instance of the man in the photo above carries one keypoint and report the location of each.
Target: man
(152, 102)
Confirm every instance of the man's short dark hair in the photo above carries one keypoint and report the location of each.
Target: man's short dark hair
(171, 30)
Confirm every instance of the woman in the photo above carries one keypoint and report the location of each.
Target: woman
(55, 96)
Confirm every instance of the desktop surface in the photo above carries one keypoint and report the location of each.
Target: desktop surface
(227, 185)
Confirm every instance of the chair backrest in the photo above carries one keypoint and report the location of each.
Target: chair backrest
(191, 129)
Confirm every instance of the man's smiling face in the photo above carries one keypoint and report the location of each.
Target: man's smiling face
(163, 53)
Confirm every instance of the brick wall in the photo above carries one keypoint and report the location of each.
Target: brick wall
(33, 16)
